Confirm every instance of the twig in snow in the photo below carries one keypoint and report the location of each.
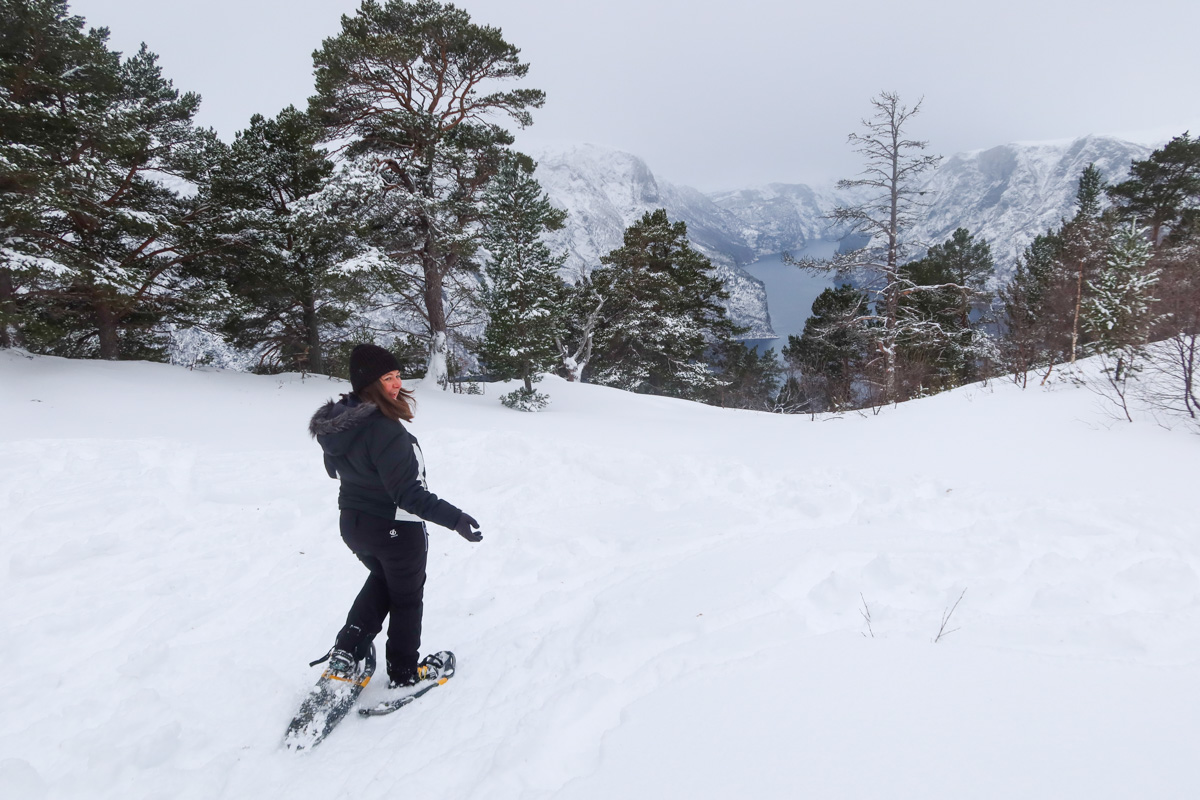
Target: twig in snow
(866, 615)
(946, 615)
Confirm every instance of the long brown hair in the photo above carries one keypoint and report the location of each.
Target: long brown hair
(399, 409)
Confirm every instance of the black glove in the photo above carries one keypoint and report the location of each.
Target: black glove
(464, 525)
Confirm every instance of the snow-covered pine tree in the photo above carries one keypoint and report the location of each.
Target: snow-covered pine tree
(1084, 239)
(53, 78)
(523, 293)
(113, 219)
(290, 269)
(1119, 311)
(662, 314)
(1163, 190)
(413, 88)
(1042, 304)
(90, 142)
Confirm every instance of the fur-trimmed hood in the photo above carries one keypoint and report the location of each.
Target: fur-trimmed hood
(336, 425)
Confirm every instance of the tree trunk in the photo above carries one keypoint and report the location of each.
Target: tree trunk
(316, 358)
(1078, 303)
(435, 267)
(436, 310)
(1186, 346)
(571, 363)
(106, 321)
(892, 305)
(892, 302)
(436, 368)
(8, 309)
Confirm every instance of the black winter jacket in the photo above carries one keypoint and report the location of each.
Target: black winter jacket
(379, 463)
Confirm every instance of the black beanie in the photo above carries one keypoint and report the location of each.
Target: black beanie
(369, 363)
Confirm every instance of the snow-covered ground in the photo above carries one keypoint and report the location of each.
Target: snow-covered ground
(668, 602)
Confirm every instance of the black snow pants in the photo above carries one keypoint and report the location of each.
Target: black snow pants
(395, 553)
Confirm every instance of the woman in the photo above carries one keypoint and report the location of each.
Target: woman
(384, 502)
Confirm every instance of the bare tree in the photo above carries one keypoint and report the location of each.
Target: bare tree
(892, 195)
(574, 363)
(946, 615)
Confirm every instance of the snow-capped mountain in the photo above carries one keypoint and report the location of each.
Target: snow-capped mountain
(1010, 194)
(1007, 195)
(604, 191)
(781, 216)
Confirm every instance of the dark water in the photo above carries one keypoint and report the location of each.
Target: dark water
(790, 291)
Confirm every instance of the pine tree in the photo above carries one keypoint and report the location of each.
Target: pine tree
(1163, 189)
(1083, 238)
(524, 295)
(662, 313)
(832, 352)
(54, 77)
(941, 346)
(1043, 303)
(94, 140)
(410, 85)
(58, 85)
(748, 379)
(1119, 309)
(1174, 383)
(967, 263)
(1035, 318)
(289, 270)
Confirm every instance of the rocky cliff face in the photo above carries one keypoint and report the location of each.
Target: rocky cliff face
(1007, 194)
(1010, 194)
(781, 216)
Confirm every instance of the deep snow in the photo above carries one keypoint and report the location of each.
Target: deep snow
(667, 602)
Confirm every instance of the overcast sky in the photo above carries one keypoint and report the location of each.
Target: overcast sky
(722, 94)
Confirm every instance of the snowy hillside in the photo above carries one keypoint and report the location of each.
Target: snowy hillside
(669, 600)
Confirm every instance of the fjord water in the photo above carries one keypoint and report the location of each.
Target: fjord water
(790, 291)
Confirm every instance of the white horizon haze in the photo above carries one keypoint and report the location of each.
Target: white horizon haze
(724, 96)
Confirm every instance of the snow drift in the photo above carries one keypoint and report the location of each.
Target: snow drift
(671, 600)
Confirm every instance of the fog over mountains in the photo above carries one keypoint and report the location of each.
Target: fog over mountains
(1007, 194)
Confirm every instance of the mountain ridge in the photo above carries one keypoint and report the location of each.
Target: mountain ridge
(1006, 194)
